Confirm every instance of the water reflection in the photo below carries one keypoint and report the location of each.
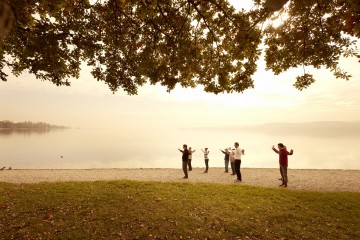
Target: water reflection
(144, 148)
(27, 132)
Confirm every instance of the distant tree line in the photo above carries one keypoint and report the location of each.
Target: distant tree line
(28, 125)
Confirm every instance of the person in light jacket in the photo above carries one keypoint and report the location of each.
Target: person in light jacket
(190, 158)
(206, 158)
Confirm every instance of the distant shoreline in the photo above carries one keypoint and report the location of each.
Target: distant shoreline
(28, 125)
(299, 179)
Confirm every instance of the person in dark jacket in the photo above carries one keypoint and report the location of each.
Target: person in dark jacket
(283, 161)
(185, 159)
(226, 158)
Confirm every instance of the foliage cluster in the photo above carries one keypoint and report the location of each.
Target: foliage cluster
(188, 42)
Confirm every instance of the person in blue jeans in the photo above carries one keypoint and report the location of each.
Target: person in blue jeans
(283, 162)
(226, 159)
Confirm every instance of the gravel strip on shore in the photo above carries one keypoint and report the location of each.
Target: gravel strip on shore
(304, 179)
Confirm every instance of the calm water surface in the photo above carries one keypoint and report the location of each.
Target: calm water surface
(144, 148)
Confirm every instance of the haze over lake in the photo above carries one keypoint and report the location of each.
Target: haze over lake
(317, 145)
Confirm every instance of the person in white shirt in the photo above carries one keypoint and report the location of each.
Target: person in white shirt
(206, 158)
(238, 153)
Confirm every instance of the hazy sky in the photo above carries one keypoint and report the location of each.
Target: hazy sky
(88, 103)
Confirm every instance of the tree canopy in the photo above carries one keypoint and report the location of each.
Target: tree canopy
(188, 42)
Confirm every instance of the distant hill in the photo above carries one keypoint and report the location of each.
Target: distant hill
(321, 128)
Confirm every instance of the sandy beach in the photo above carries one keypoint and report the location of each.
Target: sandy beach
(305, 179)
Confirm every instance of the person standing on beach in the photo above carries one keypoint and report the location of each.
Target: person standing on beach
(283, 161)
(206, 158)
(185, 159)
(232, 161)
(238, 153)
(190, 158)
(226, 158)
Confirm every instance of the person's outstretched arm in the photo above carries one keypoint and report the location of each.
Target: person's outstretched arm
(275, 150)
(180, 150)
(289, 153)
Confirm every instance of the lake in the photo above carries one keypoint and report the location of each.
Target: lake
(144, 148)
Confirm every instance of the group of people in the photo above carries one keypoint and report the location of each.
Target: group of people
(233, 156)
(187, 157)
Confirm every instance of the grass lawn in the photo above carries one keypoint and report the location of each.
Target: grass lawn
(152, 210)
